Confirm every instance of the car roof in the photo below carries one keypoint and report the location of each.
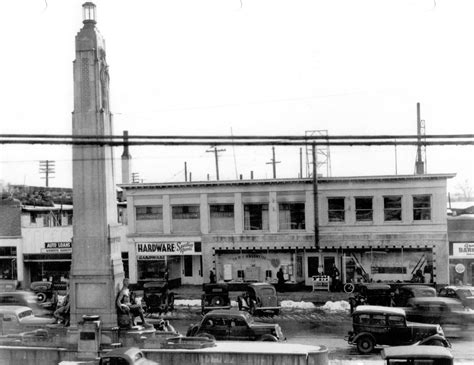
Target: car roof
(17, 293)
(260, 284)
(404, 352)
(435, 300)
(14, 308)
(379, 309)
(414, 286)
(456, 287)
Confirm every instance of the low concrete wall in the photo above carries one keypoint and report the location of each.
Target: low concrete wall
(10, 355)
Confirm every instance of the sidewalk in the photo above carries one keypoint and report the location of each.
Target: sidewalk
(319, 297)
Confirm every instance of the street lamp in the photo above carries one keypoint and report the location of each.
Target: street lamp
(88, 13)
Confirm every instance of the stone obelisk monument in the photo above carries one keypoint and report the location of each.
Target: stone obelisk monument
(96, 269)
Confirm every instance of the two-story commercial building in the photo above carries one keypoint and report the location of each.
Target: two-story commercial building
(369, 227)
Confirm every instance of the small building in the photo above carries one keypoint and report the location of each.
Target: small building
(369, 227)
(461, 249)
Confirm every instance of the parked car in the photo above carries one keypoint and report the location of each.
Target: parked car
(23, 298)
(378, 325)
(417, 355)
(406, 292)
(215, 296)
(447, 312)
(259, 298)
(372, 294)
(463, 293)
(125, 356)
(157, 298)
(16, 319)
(234, 325)
(46, 291)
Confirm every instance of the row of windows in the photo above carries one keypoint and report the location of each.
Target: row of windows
(392, 208)
(291, 216)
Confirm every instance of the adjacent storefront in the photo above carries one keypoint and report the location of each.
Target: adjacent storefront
(461, 263)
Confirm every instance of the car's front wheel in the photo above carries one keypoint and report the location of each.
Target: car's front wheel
(268, 338)
(365, 344)
(206, 335)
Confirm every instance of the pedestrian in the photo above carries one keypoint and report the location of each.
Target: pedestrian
(166, 275)
(335, 274)
(281, 279)
(212, 277)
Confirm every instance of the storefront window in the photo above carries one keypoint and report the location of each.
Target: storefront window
(256, 217)
(8, 263)
(421, 207)
(151, 269)
(364, 210)
(336, 210)
(392, 208)
(291, 216)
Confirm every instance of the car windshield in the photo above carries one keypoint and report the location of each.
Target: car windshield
(25, 313)
(248, 317)
(425, 292)
(463, 293)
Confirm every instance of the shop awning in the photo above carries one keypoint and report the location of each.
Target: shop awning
(45, 257)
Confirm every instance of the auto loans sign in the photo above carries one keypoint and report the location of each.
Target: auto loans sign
(164, 248)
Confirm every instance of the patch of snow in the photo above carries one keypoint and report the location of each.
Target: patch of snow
(188, 302)
(339, 306)
(300, 305)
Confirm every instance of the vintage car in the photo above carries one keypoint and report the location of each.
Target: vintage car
(447, 312)
(17, 319)
(215, 296)
(372, 294)
(157, 298)
(463, 293)
(259, 298)
(125, 356)
(417, 355)
(406, 292)
(23, 298)
(377, 325)
(235, 326)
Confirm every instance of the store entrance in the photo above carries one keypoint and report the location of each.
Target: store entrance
(319, 264)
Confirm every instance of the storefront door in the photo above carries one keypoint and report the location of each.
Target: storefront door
(319, 264)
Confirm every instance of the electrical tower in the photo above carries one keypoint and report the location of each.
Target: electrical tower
(322, 153)
(135, 177)
(420, 164)
(47, 168)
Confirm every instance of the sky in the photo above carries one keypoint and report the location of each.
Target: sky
(241, 67)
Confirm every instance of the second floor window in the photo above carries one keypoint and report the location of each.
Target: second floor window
(149, 213)
(255, 217)
(421, 207)
(392, 208)
(186, 212)
(222, 217)
(291, 216)
(336, 210)
(364, 210)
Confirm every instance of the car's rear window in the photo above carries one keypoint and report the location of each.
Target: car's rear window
(25, 313)
(267, 291)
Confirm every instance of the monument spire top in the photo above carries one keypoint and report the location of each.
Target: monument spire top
(88, 13)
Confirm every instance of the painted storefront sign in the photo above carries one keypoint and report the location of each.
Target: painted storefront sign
(159, 249)
(57, 247)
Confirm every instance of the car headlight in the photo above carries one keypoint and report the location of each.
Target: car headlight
(439, 330)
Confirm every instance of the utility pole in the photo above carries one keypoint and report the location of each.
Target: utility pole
(185, 171)
(315, 198)
(135, 178)
(47, 168)
(216, 153)
(273, 162)
(301, 163)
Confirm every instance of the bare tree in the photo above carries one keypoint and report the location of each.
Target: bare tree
(464, 190)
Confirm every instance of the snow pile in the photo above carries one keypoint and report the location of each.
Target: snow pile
(188, 302)
(339, 306)
(300, 305)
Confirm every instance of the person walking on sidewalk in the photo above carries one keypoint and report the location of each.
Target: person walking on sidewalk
(281, 279)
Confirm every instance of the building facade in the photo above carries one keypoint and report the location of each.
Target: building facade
(370, 228)
(461, 249)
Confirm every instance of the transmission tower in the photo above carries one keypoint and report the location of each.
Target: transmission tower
(420, 164)
(323, 156)
(47, 168)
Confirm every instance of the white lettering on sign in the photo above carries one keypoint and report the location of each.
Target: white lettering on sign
(463, 249)
(57, 244)
(57, 247)
(164, 248)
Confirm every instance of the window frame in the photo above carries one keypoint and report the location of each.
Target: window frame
(293, 215)
(364, 211)
(187, 213)
(420, 211)
(148, 213)
(397, 210)
(334, 215)
(263, 207)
